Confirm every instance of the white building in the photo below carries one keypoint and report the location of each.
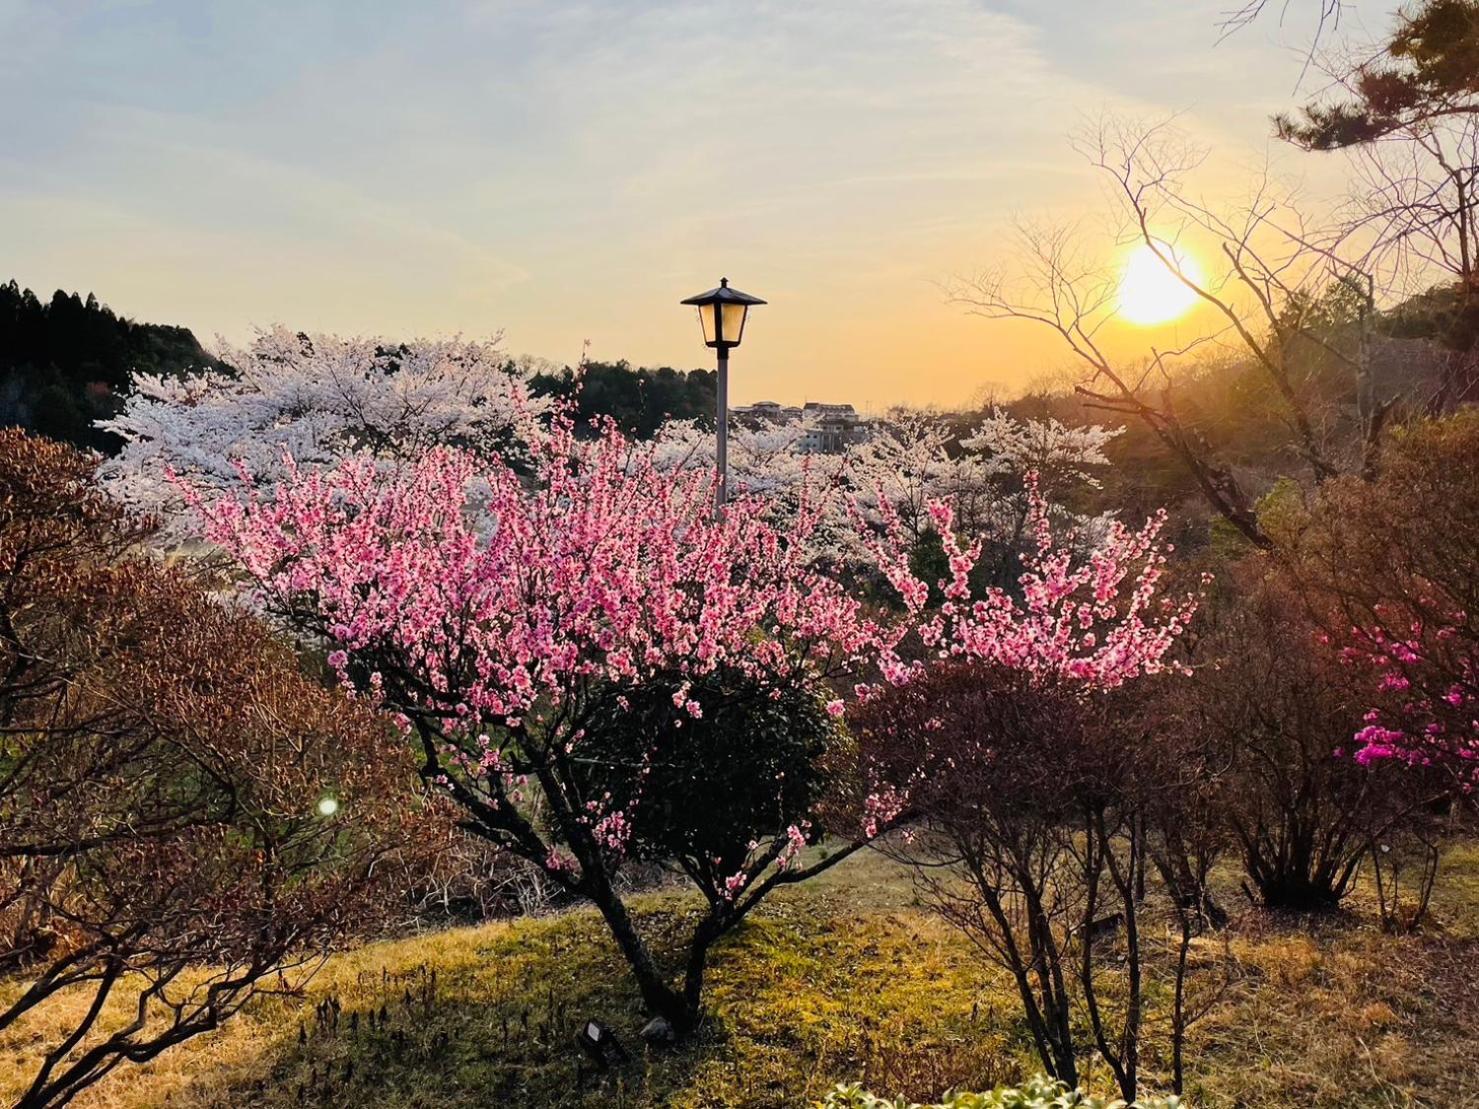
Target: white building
(833, 428)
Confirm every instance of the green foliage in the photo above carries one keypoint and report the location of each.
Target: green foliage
(638, 400)
(929, 562)
(1282, 511)
(1427, 70)
(1036, 1093)
(1338, 306)
(1000, 566)
(704, 788)
(1447, 312)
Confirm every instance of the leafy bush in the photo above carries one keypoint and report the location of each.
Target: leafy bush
(1036, 1093)
(748, 768)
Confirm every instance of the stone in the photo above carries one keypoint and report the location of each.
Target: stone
(658, 1030)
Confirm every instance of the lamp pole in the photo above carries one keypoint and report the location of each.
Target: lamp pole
(721, 314)
(721, 426)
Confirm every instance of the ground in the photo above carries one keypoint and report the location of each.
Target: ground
(843, 979)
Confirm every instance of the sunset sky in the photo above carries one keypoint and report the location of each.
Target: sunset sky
(566, 172)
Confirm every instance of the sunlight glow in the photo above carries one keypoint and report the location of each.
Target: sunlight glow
(1150, 292)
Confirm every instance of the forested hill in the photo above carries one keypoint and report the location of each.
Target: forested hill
(65, 362)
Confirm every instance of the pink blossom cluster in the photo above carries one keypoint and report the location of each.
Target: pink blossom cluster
(1424, 671)
(1096, 619)
(499, 594)
(495, 600)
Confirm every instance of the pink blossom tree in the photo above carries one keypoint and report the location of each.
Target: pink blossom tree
(498, 617)
(501, 616)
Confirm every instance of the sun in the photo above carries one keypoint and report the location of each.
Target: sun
(1150, 292)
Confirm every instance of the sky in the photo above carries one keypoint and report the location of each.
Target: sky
(565, 173)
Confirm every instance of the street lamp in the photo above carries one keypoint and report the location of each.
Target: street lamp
(721, 313)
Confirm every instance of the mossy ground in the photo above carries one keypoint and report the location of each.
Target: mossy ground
(840, 980)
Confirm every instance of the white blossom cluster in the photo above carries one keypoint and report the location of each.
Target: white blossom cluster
(320, 398)
(316, 398)
(911, 459)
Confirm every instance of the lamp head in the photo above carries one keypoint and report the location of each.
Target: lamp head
(721, 314)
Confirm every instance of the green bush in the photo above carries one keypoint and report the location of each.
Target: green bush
(704, 788)
(1035, 1093)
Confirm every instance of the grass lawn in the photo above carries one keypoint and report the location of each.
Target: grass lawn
(839, 980)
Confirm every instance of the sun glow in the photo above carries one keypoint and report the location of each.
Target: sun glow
(1150, 291)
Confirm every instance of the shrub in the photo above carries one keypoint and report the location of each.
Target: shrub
(1394, 559)
(1036, 1093)
(1043, 805)
(1273, 709)
(748, 768)
(185, 818)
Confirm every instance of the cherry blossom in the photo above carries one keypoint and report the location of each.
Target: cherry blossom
(318, 399)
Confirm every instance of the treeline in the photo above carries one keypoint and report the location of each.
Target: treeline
(66, 362)
(638, 400)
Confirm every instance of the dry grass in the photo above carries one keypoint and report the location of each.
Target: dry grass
(842, 980)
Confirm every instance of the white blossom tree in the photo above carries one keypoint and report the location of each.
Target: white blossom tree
(918, 457)
(764, 457)
(1060, 455)
(767, 460)
(913, 457)
(317, 399)
(908, 462)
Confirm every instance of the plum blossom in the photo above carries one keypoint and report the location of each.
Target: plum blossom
(1098, 619)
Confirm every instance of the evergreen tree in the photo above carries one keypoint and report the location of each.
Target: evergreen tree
(67, 362)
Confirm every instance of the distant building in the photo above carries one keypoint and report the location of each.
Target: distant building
(831, 428)
(835, 427)
(767, 411)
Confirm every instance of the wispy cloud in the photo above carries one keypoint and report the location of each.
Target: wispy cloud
(568, 170)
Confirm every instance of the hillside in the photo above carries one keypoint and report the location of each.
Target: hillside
(845, 978)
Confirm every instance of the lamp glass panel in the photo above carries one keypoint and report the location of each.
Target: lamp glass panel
(732, 323)
(706, 321)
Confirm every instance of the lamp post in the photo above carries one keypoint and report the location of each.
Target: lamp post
(721, 314)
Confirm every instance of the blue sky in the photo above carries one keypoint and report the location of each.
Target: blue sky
(569, 171)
